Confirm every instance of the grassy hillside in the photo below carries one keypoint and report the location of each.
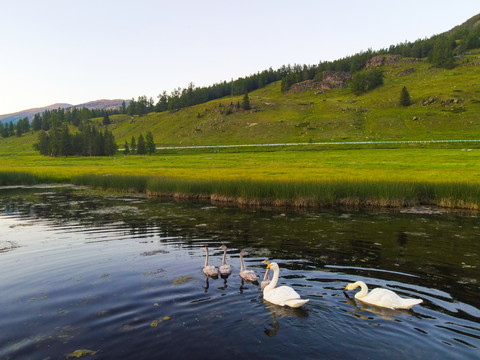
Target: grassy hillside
(446, 105)
(452, 112)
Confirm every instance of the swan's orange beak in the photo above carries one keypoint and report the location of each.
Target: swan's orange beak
(269, 266)
(346, 287)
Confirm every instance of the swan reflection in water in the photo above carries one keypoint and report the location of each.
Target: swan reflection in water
(207, 284)
(244, 282)
(281, 312)
(384, 313)
(224, 286)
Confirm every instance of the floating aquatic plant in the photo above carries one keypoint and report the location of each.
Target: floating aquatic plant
(81, 352)
(182, 279)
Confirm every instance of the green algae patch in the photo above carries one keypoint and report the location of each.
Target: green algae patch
(182, 279)
(156, 322)
(81, 352)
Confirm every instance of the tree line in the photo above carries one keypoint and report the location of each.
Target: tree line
(88, 141)
(75, 116)
(141, 146)
(11, 129)
(55, 118)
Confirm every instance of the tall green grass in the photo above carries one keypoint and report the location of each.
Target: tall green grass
(24, 178)
(311, 194)
(298, 194)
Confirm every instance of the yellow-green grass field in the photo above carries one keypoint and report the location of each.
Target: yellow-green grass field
(377, 177)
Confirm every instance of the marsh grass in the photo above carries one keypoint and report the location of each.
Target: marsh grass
(252, 192)
(114, 182)
(25, 178)
(362, 193)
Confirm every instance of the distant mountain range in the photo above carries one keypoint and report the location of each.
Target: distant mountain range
(96, 104)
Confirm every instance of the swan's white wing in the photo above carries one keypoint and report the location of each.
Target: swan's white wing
(281, 295)
(389, 299)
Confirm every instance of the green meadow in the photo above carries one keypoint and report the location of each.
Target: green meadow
(305, 178)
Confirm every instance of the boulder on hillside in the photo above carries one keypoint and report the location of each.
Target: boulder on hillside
(304, 86)
(335, 79)
(331, 80)
(406, 72)
(380, 60)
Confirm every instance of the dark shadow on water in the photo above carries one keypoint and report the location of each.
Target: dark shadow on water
(245, 282)
(207, 285)
(224, 286)
(281, 312)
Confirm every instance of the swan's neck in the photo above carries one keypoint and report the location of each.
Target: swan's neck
(206, 257)
(274, 281)
(266, 275)
(362, 293)
(224, 262)
(242, 267)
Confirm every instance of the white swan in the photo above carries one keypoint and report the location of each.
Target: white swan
(248, 275)
(282, 295)
(224, 269)
(382, 297)
(265, 280)
(209, 270)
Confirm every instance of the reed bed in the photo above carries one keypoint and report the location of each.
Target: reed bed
(249, 192)
(361, 193)
(25, 178)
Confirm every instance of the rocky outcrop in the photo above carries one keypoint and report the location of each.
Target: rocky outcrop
(411, 60)
(381, 60)
(335, 79)
(331, 80)
(406, 72)
(429, 101)
(304, 86)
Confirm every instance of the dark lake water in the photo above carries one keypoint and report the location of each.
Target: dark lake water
(122, 277)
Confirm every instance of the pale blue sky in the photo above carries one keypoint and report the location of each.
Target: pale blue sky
(74, 51)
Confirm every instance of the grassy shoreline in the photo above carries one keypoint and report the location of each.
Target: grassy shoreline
(287, 194)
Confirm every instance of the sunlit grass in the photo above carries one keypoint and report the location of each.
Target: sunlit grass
(423, 165)
(377, 177)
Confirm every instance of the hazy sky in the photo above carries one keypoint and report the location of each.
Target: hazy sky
(74, 51)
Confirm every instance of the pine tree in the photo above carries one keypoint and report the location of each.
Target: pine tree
(19, 129)
(43, 144)
(150, 144)
(246, 102)
(65, 147)
(141, 149)
(110, 147)
(106, 119)
(405, 97)
(133, 145)
(123, 108)
(126, 150)
(442, 53)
